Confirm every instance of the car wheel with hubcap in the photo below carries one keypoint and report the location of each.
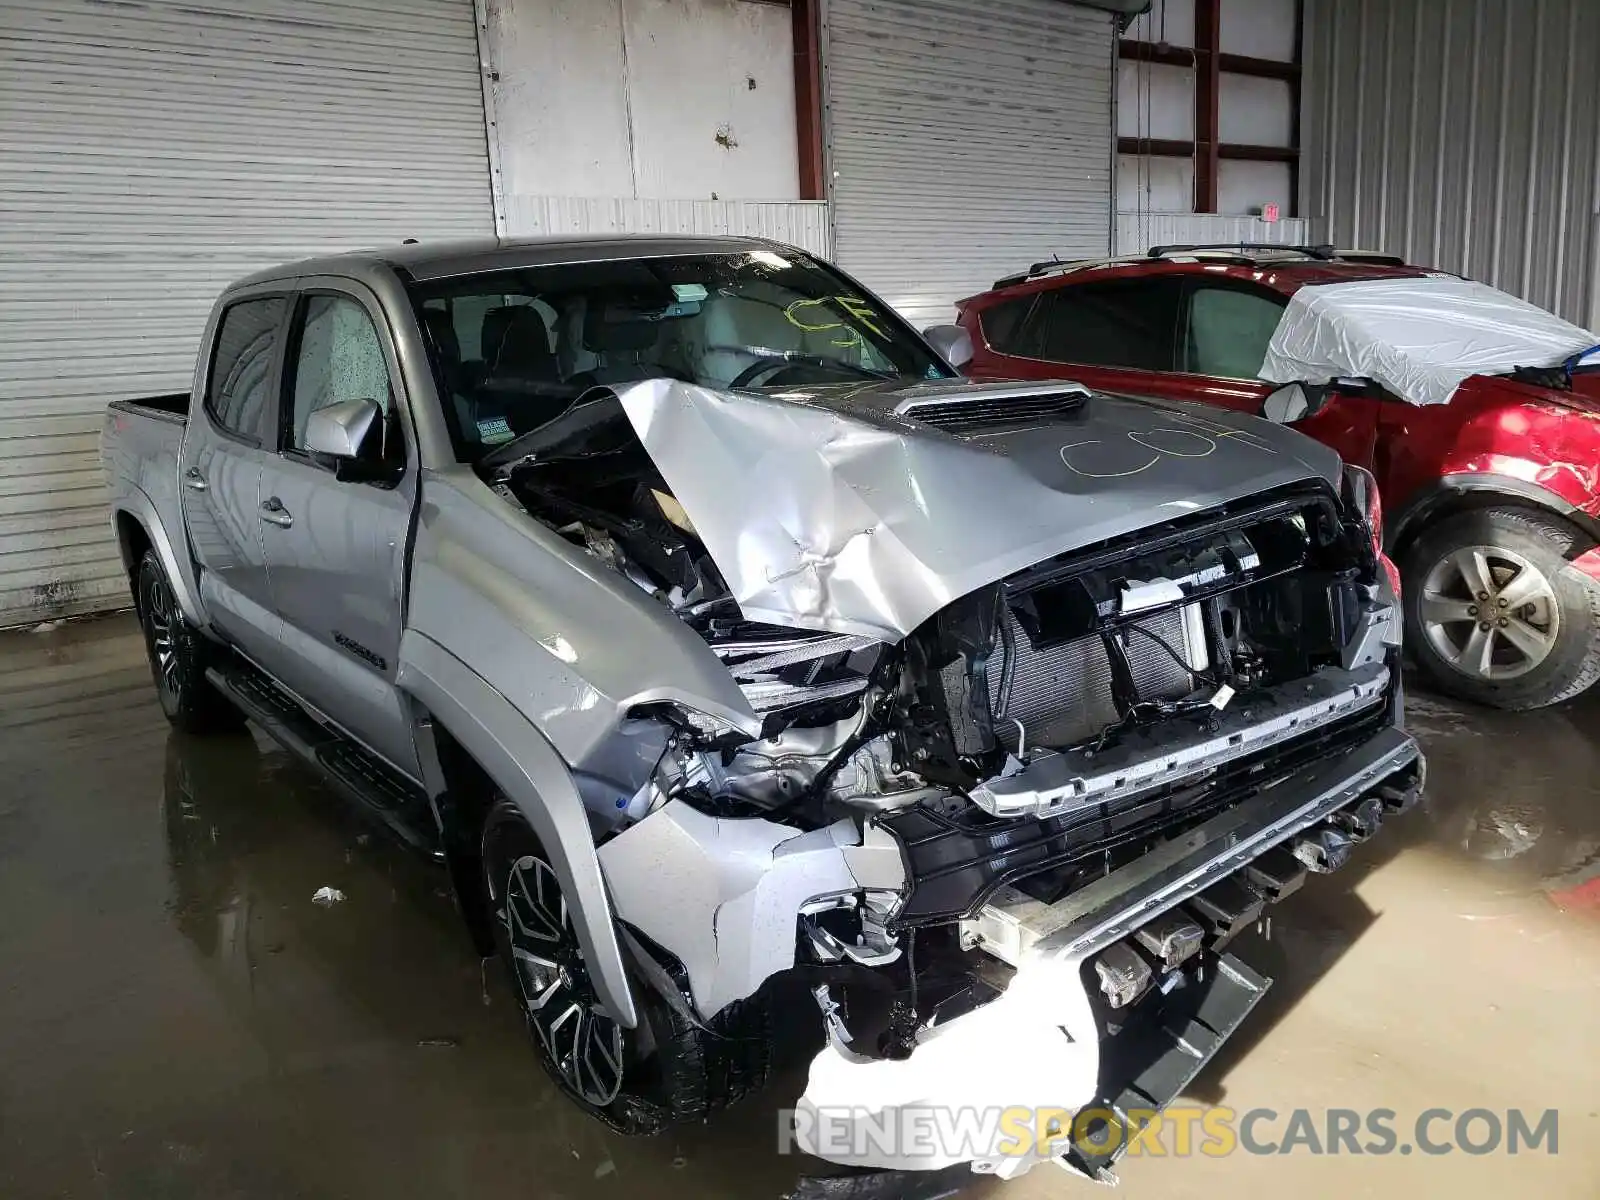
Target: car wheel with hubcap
(178, 657)
(1496, 614)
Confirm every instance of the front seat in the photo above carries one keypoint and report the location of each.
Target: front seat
(516, 346)
(521, 379)
(620, 346)
(740, 331)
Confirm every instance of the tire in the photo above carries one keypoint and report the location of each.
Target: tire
(1496, 614)
(178, 657)
(668, 1070)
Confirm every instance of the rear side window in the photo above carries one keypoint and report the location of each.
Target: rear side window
(239, 392)
(1003, 323)
(1120, 323)
(1229, 329)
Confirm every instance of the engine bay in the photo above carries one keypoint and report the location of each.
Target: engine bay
(1169, 631)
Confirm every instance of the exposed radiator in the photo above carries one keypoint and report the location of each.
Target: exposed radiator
(1063, 695)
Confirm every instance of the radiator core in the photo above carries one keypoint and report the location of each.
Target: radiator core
(1063, 695)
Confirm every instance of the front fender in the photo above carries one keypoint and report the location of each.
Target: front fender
(1450, 489)
(532, 775)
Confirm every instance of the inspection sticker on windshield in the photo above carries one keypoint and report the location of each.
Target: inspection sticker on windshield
(493, 430)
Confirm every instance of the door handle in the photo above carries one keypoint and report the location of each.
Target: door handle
(274, 513)
(193, 480)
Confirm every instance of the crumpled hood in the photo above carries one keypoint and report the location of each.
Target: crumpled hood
(825, 510)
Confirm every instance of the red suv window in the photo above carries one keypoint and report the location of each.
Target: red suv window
(1116, 323)
(1002, 323)
(1228, 329)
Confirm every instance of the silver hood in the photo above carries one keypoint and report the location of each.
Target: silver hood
(829, 509)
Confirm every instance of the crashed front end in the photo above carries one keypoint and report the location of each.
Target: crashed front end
(1031, 737)
(1166, 771)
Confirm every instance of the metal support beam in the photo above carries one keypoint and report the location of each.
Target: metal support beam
(1207, 98)
(1182, 148)
(808, 99)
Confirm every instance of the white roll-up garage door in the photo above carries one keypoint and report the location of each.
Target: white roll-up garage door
(965, 141)
(151, 152)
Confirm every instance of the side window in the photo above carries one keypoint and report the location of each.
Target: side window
(1119, 323)
(239, 391)
(1229, 329)
(338, 356)
(1003, 324)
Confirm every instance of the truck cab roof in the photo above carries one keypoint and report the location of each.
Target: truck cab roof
(443, 259)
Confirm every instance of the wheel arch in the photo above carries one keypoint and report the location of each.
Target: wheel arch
(139, 529)
(1467, 491)
(473, 742)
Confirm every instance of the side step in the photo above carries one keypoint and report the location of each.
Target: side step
(376, 788)
(1147, 1064)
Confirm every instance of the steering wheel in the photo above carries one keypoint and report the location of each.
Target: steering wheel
(773, 364)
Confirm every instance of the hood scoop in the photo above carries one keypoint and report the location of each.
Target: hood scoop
(980, 410)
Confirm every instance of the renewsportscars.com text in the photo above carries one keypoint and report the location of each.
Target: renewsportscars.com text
(1177, 1131)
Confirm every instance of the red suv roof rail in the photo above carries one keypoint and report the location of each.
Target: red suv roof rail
(1323, 253)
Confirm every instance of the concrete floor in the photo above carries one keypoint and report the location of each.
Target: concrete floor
(178, 1019)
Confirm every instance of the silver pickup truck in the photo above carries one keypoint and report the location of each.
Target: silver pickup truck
(743, 664)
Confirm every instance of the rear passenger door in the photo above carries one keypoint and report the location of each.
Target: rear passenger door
(232, 432)
(1116, 334)
(336, 548)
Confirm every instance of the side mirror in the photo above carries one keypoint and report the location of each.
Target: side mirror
(347, 435)
(953, 343)
(340, 430)
(1290, 403)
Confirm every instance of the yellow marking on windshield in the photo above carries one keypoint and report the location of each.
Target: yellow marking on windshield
(853, 305)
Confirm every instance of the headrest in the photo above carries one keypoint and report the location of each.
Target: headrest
(609, 327)
(516, 342)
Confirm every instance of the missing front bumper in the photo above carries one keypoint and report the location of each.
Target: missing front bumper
(1013, 924)
(1041, 1041)
(1059, 781)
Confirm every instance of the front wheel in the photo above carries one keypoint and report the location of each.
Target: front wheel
(177, 654)
(1497, 615)
(670, 1068)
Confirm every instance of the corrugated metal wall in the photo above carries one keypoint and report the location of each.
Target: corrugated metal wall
(965, 141)
(152, 152)
(801, 223)
(1138, 231)
(1461, 134)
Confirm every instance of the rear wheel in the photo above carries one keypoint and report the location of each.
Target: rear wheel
(178, 657)
(669, 1068)
(1496, 614)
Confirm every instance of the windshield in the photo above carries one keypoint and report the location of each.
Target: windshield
(512, 349)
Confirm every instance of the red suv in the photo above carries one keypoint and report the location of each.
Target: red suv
(1491, 480)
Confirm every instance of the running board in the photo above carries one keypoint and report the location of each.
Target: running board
(1147, 1064)
(376, 788)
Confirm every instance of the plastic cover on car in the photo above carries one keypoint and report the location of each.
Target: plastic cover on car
(1417, 337)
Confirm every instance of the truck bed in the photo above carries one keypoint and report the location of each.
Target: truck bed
(139, 445)
(172, 405)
